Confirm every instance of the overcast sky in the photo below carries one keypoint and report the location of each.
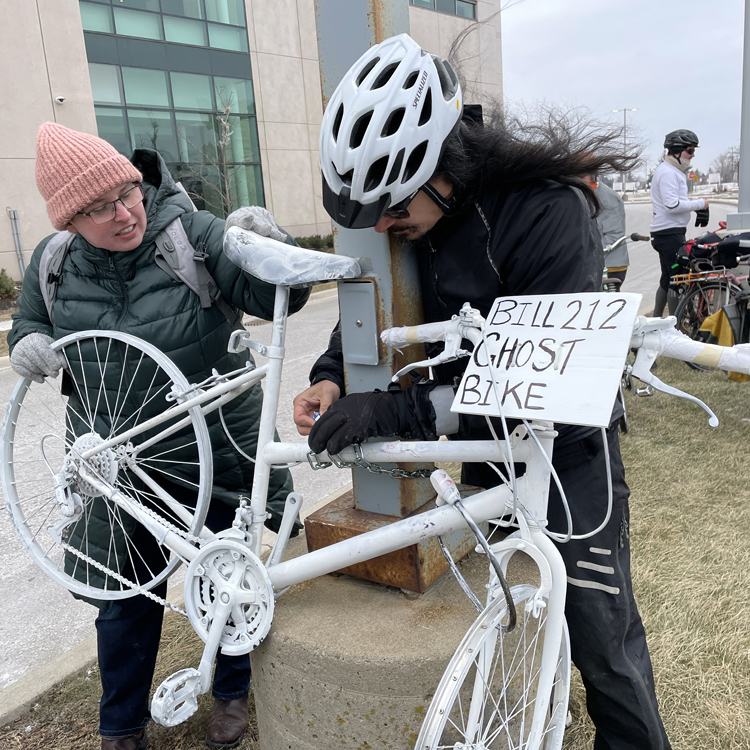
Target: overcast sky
(678, 61)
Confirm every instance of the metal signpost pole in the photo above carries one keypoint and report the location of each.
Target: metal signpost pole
(388, 296)
(741, 220)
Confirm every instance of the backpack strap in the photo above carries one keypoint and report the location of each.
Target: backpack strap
(50, 267)
(180, 260)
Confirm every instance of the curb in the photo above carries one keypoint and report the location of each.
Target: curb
(18, 697)
(248, 320)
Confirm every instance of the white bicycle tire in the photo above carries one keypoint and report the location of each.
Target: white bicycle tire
(38, 407)
(505, 728)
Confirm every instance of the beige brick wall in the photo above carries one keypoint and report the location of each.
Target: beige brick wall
(42, 56)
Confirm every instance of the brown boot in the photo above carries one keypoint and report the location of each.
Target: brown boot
(137, 741)
(228, 723)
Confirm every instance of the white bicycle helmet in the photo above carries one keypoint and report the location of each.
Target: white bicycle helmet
(383, 130)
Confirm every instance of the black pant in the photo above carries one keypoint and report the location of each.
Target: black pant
(607, 639)
(128, 633)
(668, 245)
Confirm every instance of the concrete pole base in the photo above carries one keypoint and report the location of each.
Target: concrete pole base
(349, 663)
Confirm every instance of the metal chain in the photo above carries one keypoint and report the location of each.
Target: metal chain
(396, 473)
(360, 462)
(104, 569)
(171, 527)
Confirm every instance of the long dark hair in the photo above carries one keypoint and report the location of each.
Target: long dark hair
(547, 143)
(514, 147)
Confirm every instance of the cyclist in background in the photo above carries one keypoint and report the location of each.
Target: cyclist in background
(611, 223)
(672, 208)
(490, 209)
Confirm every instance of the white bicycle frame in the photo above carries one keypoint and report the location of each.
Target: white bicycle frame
(532, 486)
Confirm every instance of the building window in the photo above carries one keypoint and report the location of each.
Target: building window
(204, 127)
(462, 8)
(200, 23)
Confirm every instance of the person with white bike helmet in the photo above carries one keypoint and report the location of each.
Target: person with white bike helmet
(671, 211)
(491, 209)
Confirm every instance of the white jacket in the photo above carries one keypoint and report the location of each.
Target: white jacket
(670, 200)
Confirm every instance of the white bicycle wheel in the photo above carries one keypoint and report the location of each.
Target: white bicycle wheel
(112, 382)
(487, 695)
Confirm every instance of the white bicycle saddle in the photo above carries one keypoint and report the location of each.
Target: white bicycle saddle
(285, 265)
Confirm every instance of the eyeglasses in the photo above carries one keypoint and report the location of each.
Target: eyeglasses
(690, 150)
(399, 210)
(130, 199)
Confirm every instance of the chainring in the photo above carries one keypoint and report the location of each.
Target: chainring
(226, 567)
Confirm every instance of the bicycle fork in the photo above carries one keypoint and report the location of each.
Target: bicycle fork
(548, 602)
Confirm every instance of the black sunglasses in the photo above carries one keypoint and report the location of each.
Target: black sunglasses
(690, 150)
(399, 210)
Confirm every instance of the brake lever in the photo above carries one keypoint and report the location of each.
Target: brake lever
(649, 346)
(466, 325)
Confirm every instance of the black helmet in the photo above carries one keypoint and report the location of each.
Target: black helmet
(679, 140)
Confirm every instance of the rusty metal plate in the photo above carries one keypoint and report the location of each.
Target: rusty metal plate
(414, 568)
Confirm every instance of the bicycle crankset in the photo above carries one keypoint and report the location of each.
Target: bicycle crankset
(226, 572)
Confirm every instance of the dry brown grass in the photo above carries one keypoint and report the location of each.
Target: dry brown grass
(690, 527)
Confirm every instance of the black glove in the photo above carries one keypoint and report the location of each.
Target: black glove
(701, 217)
(409, 414)
(357, 417)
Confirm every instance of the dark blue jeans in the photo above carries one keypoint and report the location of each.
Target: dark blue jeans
(607, 639)
(128, 633)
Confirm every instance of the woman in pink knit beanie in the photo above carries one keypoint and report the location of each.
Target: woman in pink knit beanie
(79, 175)
(109, 279)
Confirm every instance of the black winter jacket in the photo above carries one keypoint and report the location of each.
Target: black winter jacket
(532, 238)
(127, 291)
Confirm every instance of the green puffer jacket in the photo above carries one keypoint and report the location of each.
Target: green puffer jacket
(129, 292)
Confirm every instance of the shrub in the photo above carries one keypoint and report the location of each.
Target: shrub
(316, 242)
(7, 286)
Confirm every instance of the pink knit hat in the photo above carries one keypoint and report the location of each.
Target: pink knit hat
(75, 169)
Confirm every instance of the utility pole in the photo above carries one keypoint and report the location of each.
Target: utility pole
(741, 220)
(625, 133)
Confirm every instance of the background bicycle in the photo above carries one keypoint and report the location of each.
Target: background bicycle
(713, 285)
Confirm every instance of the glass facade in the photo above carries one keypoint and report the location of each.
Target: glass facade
(154, 87)
(202, 23)
(462, 8)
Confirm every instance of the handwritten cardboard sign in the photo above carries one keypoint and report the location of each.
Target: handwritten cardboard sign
(557, 357)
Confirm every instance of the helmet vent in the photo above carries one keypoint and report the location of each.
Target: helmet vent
(414, 162)
(366, 70)
(393, 123)
(375, 174)
(411, 79)
(447, 77)
(385, 75)
(337, 123)
(359, 130)
(346, 178)
(426, 113)
(396, 168)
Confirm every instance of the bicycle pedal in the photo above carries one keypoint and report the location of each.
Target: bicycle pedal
(644, 391)
(176, 699)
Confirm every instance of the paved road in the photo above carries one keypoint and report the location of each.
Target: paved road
(643, 274)
(39, 620)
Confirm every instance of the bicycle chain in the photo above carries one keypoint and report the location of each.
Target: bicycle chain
(360, 462)
(104, 569)
(136, 587)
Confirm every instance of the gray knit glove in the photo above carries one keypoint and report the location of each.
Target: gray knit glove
(33, 357)
(255, 219)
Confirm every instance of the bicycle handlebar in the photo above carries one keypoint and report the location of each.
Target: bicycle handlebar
(652, 337)
(634, 237)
